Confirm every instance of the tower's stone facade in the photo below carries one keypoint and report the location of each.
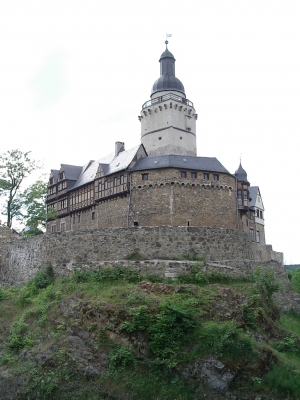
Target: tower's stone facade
(168, 119)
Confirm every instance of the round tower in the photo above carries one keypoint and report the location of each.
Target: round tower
(168, 119)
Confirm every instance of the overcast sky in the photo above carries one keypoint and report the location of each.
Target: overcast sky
(75, 73)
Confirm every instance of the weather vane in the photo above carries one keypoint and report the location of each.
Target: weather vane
(167, 35)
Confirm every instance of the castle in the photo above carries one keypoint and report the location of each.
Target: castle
(160, 182)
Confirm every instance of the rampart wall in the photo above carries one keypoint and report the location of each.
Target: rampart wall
(21, 258)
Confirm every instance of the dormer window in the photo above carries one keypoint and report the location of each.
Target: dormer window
(51, 180)
(206, 176)
(61, 175)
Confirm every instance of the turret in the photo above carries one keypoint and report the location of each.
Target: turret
(242, 189)
(168, 119)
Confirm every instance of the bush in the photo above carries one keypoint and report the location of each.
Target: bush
(120, 356)
(107, 275)
(265, 282)
(295, 280)
(284, 381)
(3, 294)
(225, 340)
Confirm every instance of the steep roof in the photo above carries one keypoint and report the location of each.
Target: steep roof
(109, 165)
(241, 174)
(71, 171)
(184, 162)
(253, 193)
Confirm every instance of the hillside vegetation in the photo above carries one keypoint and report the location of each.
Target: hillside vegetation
(114, 334)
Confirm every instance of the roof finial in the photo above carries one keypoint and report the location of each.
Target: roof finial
(166, 42)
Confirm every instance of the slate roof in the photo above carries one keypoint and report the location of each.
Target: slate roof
(55, 172)
(185, 162)
(71, 171)
(253, 192)
(241, 174)
(109, 165)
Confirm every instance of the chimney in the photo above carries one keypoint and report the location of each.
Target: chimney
(119, 146)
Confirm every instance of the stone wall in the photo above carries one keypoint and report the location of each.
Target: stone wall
(167, 199)
(22, 258)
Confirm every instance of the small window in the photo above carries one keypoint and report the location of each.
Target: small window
(51, 181)
(93, 215)
(62, 226)
(247, 222)
(245, 194)
(252, 234)
(194, 175)
(144, 177)
(78, 219)
(183, 174)
(105, 184)
(53, 228)
(99, 187)
(206, 176)
(257, 236)
(61, 175)
(239, 195)
(88, 195)
(261, 214)
(115, 181)
(257, 213)
(121, 179)
(216, 177)
(79, 198)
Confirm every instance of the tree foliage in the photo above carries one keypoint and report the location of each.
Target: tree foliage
(35, 206)
(15, 165)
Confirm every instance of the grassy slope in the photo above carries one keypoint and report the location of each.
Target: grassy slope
(117, 335)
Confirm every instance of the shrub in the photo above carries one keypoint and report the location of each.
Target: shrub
(120, 356)
(3, 294)
(225, 340)
(295, 280)
(107, 275)
(284, 381)
(265, 282)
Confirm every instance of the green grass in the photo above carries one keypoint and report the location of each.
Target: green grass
(114, 315)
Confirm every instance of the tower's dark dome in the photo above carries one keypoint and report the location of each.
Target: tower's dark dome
(241, 174)
(167, 80)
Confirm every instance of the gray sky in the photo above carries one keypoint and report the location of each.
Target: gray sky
(75, 73)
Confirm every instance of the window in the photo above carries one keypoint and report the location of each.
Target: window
(64, 204)
(239, 195)
(62, 226)
(245, 194)
(105, 185)
(257, 213)
(206, 176)
(78, 219)
(144, 177)
(193, 174)
(53, 228)
(261, 215)
(99, 187)
(93, 215)
(61, 175)
(121, 179)
(247, 222)
(115, 181)
(183, 174)
(216, 177)
(63, 185)
(74, 200)
(51, 181)
(79, 198)
(257, 236)
(52, 190)
(88, 195)
(252, 234)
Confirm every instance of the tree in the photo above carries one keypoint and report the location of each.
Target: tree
(35, 206)
(15, 165)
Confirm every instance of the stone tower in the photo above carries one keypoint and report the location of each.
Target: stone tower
(168, 119)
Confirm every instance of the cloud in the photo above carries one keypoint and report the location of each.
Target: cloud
(50, 82)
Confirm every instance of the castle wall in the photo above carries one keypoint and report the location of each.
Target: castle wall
(22, 258)
(167, 199)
